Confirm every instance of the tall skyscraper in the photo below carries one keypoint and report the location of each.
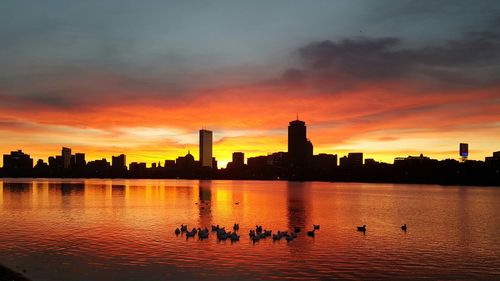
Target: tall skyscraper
(206, 148)
(300, 149)
(66, 157)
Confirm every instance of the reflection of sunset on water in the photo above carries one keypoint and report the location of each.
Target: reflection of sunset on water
(98, 226)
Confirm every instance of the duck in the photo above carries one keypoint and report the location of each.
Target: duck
(258, 229)
(311, 233)
(190, 234)
(251, 233)
(203, 234)
(276, 237)
(215, 227)
(316, 226)
(403, 227)
(289, 238)
(222, 236)
(236, 226)
(362, 228)
(177, 231)
(255, 238)
(221, 231)
(234, 237)
(267, 232)
(296, 229)
(184, 228)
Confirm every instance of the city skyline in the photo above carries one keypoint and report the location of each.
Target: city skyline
(298, 144)
(299, 157)
(85, 76)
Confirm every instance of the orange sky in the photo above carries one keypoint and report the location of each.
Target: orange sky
(370, 118)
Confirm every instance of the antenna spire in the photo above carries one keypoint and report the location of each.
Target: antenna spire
(297, 115)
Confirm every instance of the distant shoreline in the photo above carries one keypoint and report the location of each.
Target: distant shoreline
(225, 179)
(6, 274)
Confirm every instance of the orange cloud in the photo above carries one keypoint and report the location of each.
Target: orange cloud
(380, 119)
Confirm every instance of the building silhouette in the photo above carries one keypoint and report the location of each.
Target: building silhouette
(353, 160)
(137, 168)
(169, 164)
(186, 161)
(80, 162)
(66, 157)
(119, 162)
(98, 168)
(214, 163)
(300, 149)
(370, 162)
(206, 148)
(464, 151)
(17, 163)
(238, 159)
(494, 158)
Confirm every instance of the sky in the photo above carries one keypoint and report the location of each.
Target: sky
(387, 78)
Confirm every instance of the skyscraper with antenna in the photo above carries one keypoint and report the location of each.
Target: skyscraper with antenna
(300, 149)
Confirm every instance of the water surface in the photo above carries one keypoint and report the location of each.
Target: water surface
(124, 230)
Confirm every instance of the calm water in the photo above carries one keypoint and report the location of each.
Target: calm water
(124, 230)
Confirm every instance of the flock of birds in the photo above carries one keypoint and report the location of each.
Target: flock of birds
(255, 234)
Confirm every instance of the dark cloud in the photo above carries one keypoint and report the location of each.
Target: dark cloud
(52, 100)
(471, 60)
(40, 99)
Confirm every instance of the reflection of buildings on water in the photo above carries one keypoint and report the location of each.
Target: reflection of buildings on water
(297, 206)
(205, 203)
(15, 192)
(463, 218)
(118, 190)
(17, 187)
(68, 188)
(299, 209)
